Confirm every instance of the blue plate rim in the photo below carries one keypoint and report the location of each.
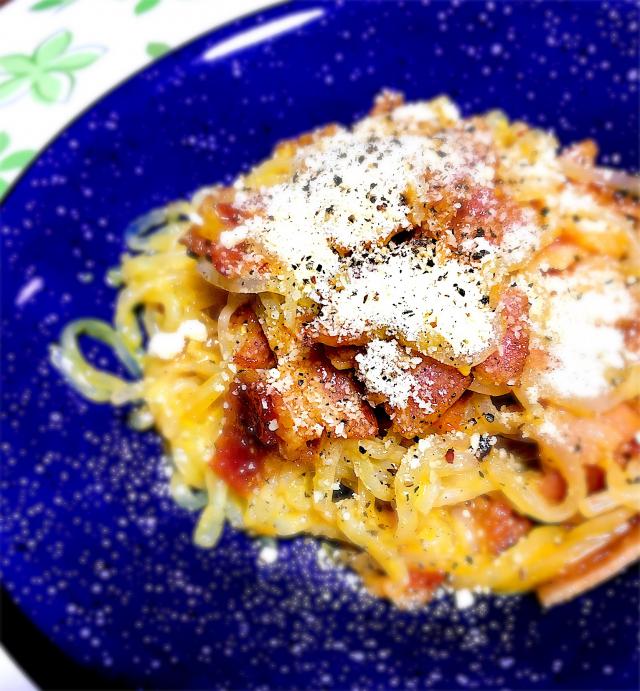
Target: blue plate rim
(220, 33)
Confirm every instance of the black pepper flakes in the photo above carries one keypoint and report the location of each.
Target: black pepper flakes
(343, 492)
(484, 447)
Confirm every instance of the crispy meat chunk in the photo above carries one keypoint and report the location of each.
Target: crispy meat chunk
(552, 485)
(424, 581)
(453, 418)
(504, 366)
(481, 214)
(218, 214)
(304, 401)
(243, 443)
(440, 385)
(501, 527)
(230, 262)
(317, 333)
(257, 407)
(485, 213)
(253, 351)
(631, 330)
(585, 440)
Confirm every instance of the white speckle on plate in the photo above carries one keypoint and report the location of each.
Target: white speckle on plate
(29, 290)
(464, 598)
(268, 554)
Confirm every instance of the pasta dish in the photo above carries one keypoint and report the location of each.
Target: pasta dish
(417, 337)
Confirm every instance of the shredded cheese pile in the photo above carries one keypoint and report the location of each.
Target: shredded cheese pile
(329, 227)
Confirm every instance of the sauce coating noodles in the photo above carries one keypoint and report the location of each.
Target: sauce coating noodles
(417, 337)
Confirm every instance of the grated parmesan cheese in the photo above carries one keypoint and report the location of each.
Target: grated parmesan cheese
(385, 369)
(268, 554)
(169, 344)
(416, 294)
(574, 320)
(464, 598)
(328, 230)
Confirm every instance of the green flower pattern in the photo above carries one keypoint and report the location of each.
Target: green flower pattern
(141, 6)
(156, 49)
(49, 73)
(12, 162)
(49, 4)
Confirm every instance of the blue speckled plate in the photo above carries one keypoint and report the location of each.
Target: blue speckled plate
(93, 550)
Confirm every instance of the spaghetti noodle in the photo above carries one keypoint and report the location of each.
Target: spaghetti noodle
(418, 337)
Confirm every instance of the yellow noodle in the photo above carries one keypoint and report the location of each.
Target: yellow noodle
(400, 503)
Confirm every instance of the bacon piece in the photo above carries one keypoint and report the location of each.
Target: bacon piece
(425, 581)
(253, 351)
(628, 451)
(218, 214)
(481, 215)
(454, 417)
(439, 384)
(584, 440)
(501, 526)
(416, 591)
(230, 262)
(309, 399)
(631, 330)
(197, 245)
(583, 152)
(257, 407)
(243, 443)
(317, 333)
(485, 214)
(505, 366)
(595, 568)
(552, 485)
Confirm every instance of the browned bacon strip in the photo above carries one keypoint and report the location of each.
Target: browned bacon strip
(501, 526)
(441, 385)
(218, 213)
(554, 487)
(253, 351)
(316, 400)
(631, 330)
(231, 262)
(386, 102)
(505, 366)
(454, 417)
(317, 333)
(481, 214)
(243, 444)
